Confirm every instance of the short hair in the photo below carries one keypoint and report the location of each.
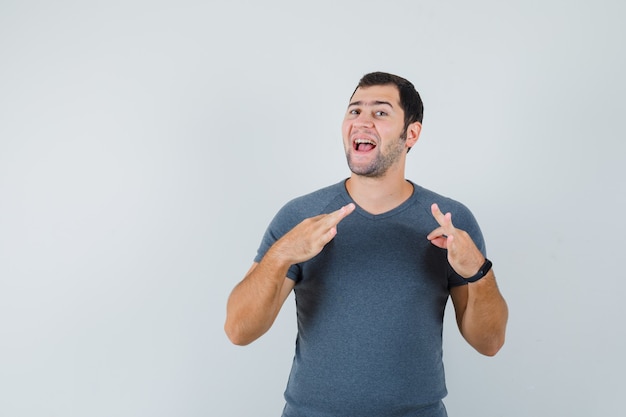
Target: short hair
(410, 100)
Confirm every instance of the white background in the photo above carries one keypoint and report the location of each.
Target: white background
(145, 145)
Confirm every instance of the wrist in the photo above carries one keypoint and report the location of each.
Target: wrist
(279, 257)
(482, 271)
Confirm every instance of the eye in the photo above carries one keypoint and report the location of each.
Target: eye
(380, 113)
(354, 112)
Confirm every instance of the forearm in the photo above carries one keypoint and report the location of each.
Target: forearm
(484, 320)
(255, 302)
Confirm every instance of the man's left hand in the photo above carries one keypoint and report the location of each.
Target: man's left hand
(463, 255)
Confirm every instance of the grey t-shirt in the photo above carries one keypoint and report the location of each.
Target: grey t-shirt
(370, 307)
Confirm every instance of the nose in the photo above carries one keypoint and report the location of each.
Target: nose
(364, 120)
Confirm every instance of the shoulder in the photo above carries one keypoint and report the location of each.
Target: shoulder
(324, 200)
(462, 217)
(317, 202)
(425, 198)
(295, 211)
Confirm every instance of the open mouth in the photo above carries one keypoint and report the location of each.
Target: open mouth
(363, 145)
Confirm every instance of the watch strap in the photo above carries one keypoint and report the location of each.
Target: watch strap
(481, 272)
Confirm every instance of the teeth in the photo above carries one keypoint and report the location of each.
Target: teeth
(360, 141)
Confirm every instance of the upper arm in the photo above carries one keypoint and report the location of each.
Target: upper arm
(286, 289)
(459, 295)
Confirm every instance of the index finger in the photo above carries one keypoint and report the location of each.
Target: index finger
(444, 220)
(338, 215)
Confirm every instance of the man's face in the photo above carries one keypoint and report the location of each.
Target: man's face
(372, 130)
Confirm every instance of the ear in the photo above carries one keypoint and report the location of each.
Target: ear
(413, 133)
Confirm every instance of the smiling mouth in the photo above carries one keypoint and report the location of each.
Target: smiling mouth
(363, 145)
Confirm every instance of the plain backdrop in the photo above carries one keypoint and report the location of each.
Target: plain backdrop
(145, 146)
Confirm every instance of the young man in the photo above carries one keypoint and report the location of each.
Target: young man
(372, 260)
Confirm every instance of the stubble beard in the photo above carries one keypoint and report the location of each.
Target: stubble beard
(379, 166)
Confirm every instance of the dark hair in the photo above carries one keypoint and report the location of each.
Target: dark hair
(410, 100)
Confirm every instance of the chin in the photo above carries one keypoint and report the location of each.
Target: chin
(367, 172)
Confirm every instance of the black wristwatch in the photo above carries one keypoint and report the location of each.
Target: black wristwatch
(481, 272)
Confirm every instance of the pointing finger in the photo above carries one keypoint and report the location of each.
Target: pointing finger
(437, 214)
(444, 220)
(338, 215)
(331, 220)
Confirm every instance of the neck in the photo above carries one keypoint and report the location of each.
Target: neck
(379, 195)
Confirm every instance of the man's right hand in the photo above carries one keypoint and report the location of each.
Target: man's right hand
(255, 302)
(309, 237)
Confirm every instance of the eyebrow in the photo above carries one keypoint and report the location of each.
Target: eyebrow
(370, 103)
